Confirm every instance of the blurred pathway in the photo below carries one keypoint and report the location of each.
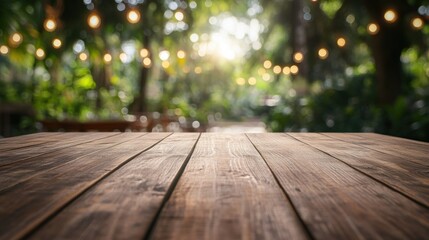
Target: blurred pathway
(239, 127)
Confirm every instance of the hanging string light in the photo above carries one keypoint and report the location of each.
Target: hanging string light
(286, 70)
(83, 56)
(390, 16)
(417, 23)
(56, 43)
(341, 42)
(94, 20)
(15, 39)
(147, 62)
(144, 53)
(240, 81)
(50, 24)
(277, 69)
(267, 64)
(179, 16)
(323, 53)
(294, 69)
(40, 54)
(4, 50)
(107, 58)
(298, 57)
(181, 54)
(251, 81)
(373, 28)
(133, 16)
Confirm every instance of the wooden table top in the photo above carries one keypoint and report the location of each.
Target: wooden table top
(213, 186)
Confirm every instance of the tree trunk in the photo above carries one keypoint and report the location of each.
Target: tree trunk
(387, 46)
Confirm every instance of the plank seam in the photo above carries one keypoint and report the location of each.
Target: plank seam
(408, 160)
(73, 145)
(169, 192)
(368, 175)
(3, 189)
(301, 221)
(95, 182)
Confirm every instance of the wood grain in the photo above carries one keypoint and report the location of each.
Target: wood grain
(47, 145)
(26, 205)
(336, 201)
(25, 169)
(126, 202)
(227, 192)
(404, 176)
(413, 151)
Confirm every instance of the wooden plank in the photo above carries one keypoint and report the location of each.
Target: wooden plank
(227, 192)
(404, 176)
(26, 205)
(24, 138)
(334, 200)
(46, 146)
(126, 202)
(23, 141)
(413, 151)
(23, 170)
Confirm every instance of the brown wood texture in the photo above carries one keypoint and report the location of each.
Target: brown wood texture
(227, 192)
(27, 168)
(26, 205)
(400, 174)
(334, 200)
(47, 145)
(126, 202)
(413, 151)
(213, 186)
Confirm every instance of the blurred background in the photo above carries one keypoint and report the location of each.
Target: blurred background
(206, 65)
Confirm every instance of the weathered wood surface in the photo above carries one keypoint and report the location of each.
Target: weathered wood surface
(213, 186)
(227, 192)
(334, 200)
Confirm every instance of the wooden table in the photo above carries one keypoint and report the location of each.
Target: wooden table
(213, 186)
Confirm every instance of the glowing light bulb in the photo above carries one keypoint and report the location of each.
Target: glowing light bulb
(198, 70)
(133, 16)
(194, 37)
(294, 69)
(40, 54)
(251, 81)
(323, 53)
(266, 77)
(164, 55)
(286, 70)
(147, 62)
(107, 58)
(181, 54)
(390, 16)
(165, 64)
(240, 81)
(16, 39)
(123, 57)
(373, 28)
(144, 53)
(83, 56)
(94, 21)
(298, 57)
(4, 50)
(179, 16)
(56, 43)
(267, 64)
(417, 23)
(50, 24)
(277, 69)
(341, 42)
